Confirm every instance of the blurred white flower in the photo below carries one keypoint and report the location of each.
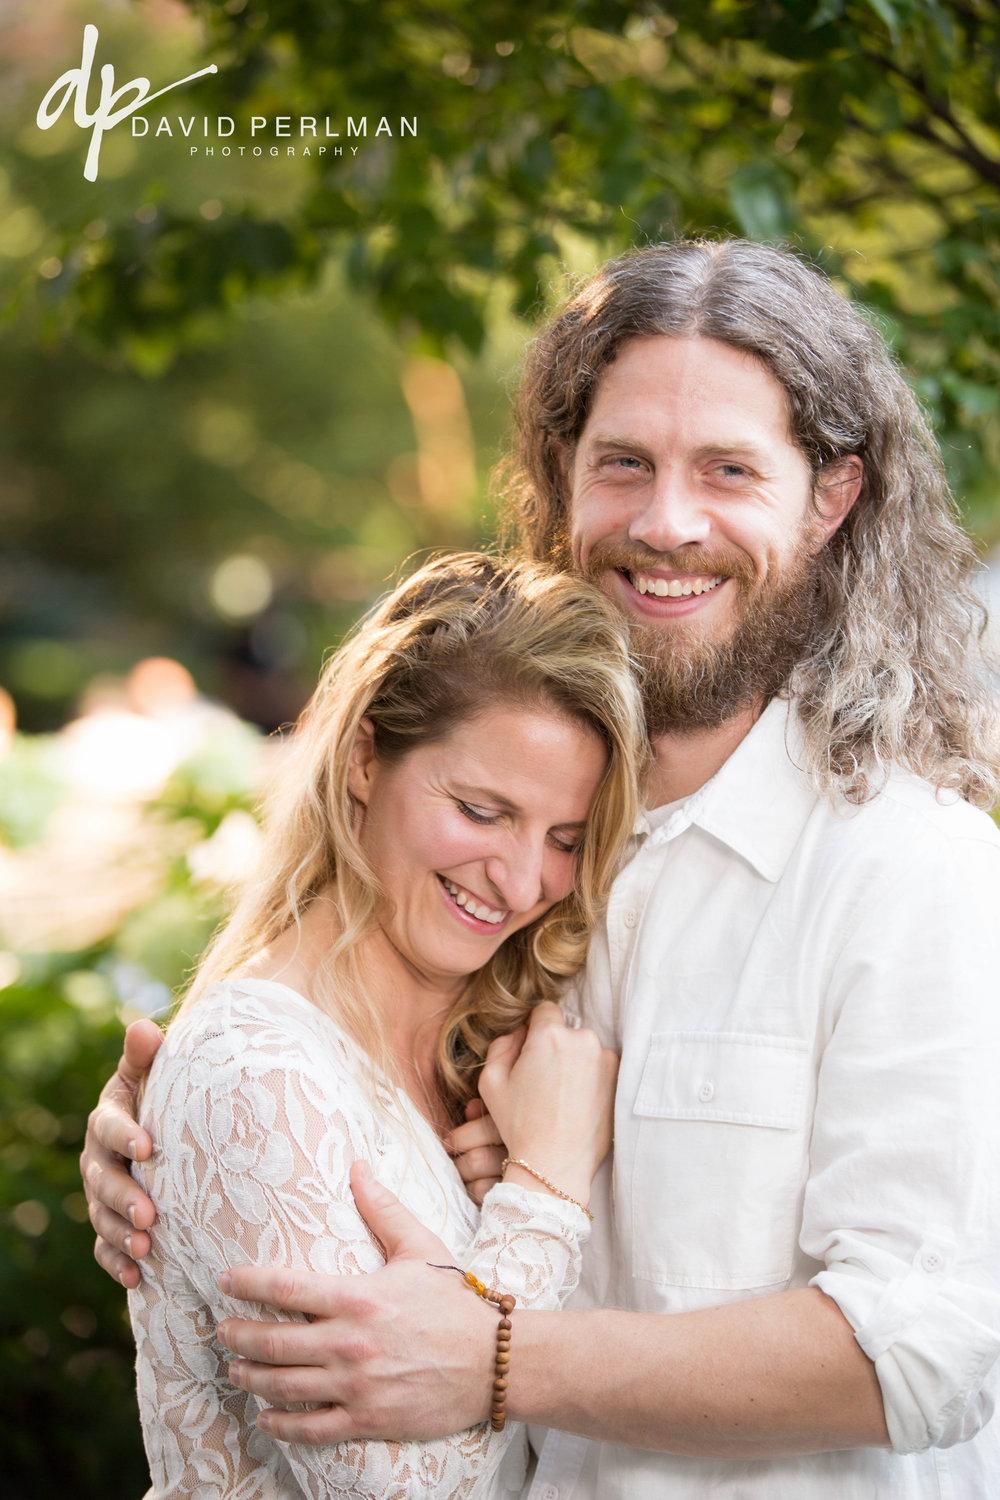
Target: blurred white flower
(224, 859)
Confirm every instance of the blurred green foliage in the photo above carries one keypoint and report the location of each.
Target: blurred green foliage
(69, 1423)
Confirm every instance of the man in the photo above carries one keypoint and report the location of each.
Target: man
(798, 1269)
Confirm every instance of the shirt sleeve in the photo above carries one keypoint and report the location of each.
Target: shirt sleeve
(903, 1201)
(257, 1135)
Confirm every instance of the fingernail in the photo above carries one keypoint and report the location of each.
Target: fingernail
(264, 1422)
(131, 1214)
(234, 1374)
(121, 1278)
(127, 1242)
(226, 1282)
(131, 1149)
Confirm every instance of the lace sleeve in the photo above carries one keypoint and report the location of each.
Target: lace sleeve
(258, 1127)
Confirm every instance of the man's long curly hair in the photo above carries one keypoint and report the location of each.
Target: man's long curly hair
(895, 674)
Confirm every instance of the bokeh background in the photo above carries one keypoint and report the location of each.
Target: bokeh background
(237, 393)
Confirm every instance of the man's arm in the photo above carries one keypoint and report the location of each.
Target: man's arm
(407, 1353)
(119, 1210)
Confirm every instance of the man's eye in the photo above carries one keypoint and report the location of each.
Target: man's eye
(732, 471)
(476, 814)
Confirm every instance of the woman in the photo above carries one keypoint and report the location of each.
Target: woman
(437, 847)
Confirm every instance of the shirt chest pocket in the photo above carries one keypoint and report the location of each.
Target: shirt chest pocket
(719, 1123)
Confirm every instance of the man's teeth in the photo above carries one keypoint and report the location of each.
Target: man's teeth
(674, 588)
(462, 898)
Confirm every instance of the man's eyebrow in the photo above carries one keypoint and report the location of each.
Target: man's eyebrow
(742, 447)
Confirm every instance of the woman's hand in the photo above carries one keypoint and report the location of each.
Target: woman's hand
(478, 1151)
(550, 1090)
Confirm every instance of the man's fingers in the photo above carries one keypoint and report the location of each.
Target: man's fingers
(288, 1291)
(117, 1265)
(143, 1040)
(118, 1232)
(112, 1123)
(399, 1233)
(281, 1386)
(330, 1424)
(108, 1184)
(291, 1344)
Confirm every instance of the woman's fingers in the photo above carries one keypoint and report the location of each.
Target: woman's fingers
(483, 1164)
(472, 1135)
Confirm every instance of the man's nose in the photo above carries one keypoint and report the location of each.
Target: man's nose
(672, 516)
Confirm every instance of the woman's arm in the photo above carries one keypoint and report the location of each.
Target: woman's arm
(260, 1127)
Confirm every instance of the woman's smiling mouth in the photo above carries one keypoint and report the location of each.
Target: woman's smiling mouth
(471, 905)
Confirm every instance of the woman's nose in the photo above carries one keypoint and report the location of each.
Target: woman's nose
(517, 874)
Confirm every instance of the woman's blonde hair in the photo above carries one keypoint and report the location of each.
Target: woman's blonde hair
(465, 633)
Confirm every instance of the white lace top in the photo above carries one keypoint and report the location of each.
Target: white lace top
(259, 1104)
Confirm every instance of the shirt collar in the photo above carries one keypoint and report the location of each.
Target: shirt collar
(760, 799)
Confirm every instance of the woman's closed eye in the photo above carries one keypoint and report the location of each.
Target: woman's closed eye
(477, 814)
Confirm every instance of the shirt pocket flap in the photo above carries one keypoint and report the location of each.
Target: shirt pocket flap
(738, 1078)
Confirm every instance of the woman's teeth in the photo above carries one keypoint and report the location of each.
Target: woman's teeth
(471, 905)
(673, 588)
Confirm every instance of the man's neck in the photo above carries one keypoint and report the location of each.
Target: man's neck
(684, 762)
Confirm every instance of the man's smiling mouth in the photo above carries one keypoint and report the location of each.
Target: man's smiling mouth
(674, 588)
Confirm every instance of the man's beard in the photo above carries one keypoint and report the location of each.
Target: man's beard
(690, 683)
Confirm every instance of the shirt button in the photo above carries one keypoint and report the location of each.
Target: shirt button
(706, 1092)
(930, 1260)
(549, 1492)
(631, 917)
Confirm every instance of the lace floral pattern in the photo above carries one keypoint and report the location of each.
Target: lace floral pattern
(259, 1105)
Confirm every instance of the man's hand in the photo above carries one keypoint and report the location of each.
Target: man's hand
(403, 1353)
(119, 1210)
(478, 1151)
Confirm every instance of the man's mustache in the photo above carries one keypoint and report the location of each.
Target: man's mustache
(725, 563)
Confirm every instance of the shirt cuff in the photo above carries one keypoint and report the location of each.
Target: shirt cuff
(934, 1340)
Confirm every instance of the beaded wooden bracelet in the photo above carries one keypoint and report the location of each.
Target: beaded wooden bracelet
(515, 1161)
(501, 1369)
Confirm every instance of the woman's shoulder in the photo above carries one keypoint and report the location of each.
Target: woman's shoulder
(259, 1024)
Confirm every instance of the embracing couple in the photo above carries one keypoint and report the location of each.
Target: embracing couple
(735, 531)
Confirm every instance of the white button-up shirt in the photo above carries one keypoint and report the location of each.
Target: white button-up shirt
(805, 998)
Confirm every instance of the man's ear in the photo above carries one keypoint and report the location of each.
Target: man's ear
(837, 488)
(360, 769)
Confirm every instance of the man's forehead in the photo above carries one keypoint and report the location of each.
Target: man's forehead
(727, 388)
